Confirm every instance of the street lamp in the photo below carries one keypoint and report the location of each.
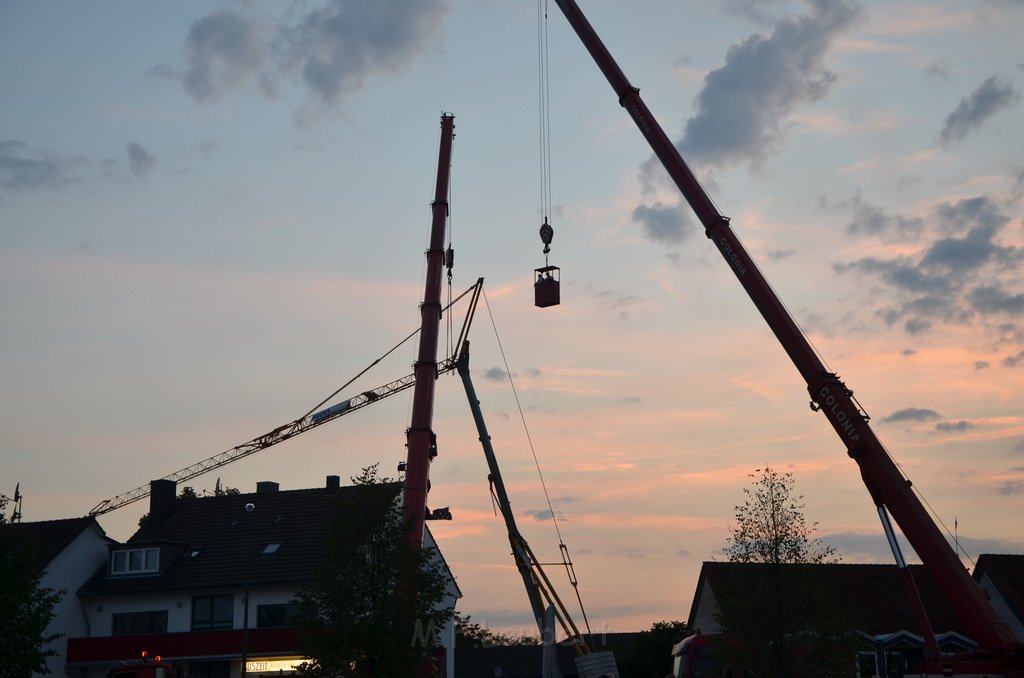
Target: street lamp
(249, 508)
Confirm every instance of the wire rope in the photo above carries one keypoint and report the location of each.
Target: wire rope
(544, 115)
(522, 418)
(563, 550)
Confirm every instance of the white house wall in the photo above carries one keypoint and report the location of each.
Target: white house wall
(65, 573)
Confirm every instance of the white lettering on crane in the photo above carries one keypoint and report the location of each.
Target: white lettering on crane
(843, 418)
(732, 257)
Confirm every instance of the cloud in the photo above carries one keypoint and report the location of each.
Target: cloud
(761, 11)
(743, 107)
(23, 167)
(964, 273)
(539, 515)
(869, 219)
(140, 161)
(330, 49)
(938, 69)
(954, 426)
(495, 374)
(986, 100)
(666, 224)
(337, 47)
(1013, 360)
(1011, 487)
(223, 50)
(994, 299)
(911, 414)
(982, 364)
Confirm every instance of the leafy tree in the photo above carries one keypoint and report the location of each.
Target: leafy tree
(374, 607)
(777, 615)
(26, 608)
(651, 655)
(470, 634)
(770, 525)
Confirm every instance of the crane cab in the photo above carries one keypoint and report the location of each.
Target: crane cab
(546, 287)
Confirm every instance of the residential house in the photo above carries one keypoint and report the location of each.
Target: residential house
(873, 598)
(208, 582)
(1001, 575)
(66, 552)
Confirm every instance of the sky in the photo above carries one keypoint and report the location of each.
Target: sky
(214, 215)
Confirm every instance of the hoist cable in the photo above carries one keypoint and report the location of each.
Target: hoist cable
(544, 114)
(522, 417)
(566, 561)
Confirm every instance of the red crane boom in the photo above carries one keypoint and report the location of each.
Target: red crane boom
(420, 441)
(886, 484)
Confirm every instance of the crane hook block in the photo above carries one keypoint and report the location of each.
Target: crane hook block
(545, 289)
(546, 234)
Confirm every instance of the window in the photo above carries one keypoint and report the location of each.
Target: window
(138, 623)
(274, 615)
(270, 549)
(213, 612)
(135, 561)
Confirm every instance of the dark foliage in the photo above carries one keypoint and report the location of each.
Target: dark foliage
(26, 609)
(651, 656)
(470, 634)
(776, 615)
(374, 609)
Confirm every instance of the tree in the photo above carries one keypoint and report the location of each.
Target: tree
(776, 614)
(470, 634)
(770, 525)
(651, 655)
(26, 608)
(374, 608)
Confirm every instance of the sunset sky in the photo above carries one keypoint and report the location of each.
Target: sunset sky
(213, 215)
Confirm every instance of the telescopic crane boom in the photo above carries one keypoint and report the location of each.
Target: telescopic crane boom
(829, 395)
(420, 438)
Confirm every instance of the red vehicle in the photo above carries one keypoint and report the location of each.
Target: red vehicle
(1000, 655)
(143, 667)
(692, 657)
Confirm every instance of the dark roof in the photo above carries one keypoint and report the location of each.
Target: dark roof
(204, 540)
(48, 538)
(1006, 570)
(874, 597)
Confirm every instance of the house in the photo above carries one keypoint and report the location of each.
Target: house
(1002, 577)
(66, 552)
(871, 598)
(207, 583)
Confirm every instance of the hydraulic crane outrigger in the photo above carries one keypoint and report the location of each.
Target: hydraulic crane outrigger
(888, 488)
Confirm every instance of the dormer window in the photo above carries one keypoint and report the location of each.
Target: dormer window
(135, 561)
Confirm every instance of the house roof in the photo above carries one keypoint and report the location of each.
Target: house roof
(48, 538)
(1006, 571)
(203, 541)
(874, 597)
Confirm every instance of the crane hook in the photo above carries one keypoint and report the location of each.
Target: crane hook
(546, 234)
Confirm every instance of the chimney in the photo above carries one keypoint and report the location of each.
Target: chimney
(333, 484)
(266, 487)
(161, 498)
